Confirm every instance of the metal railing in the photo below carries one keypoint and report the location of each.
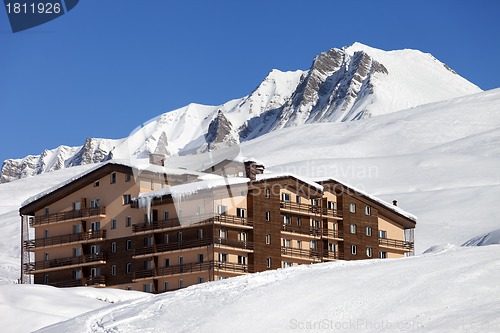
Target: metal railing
(306, 230)
(62, 262)
(396, 243)
(69, 215)
(63, 239)
(333, 233)
(91, 281)
(207, 241)
(309, 209)
(196, 219)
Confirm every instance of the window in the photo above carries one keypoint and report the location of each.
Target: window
(369, 252)
(148, 288)
(128, 244)
(297, 198)
(267, 193)
(128, 221)
(314, 202)
(240, 212)
(77, 205)
(315, 224)
(382, 234)
(354, 249)
(200, 233)
(165, 286)
(77, 228)
(201, 258)
(96, 184)
(113, 270)
(95, 249)
(382, 255)
(95, 272)
(94, 203)
(77, 275)
(181, 283)
(313, 245)
(179, 236)
(152, 185)
(128, 177)
(352, 207)
(242, 260)
(46, 211)
(113, 224)
(222, 257)
(223, 233)
(127, 198)
(287, 219)
(77, 252)
(181, 260)
(268, 262)
(148, 264)
(299, 244)
(368, 231)
(352, 228)
(201, 279)
(46, 256)
(287, 264)
(165, 215)
(331, 205)
(128, 268)
(148, 241)
(268, 238)
(285, 196)
(268, 216)
(331, 247)
(165, 238)
(113, 247)
(286, 242)
(242, 236)
(221, 210)
(198, 210)
(46, 233)
(299, 221)
(95, 226)
(45, 279)
(113, 178)
(167, 262)
(368, 210)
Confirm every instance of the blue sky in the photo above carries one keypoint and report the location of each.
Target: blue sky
(108, 66)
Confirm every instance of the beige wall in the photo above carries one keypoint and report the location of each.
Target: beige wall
(393, 230)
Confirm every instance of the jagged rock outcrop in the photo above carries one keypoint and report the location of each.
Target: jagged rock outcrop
(220, 133)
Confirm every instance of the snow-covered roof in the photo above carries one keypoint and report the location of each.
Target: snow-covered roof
(140, 165)
(373, 198)
(276, 175)
(184, 190)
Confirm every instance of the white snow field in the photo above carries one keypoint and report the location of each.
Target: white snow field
(440, 161)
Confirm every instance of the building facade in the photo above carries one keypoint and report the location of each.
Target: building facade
(160, 229)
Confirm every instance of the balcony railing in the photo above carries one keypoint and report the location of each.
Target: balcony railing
(333, 233)
(309, 209)
(207, 241)
(192, 268)
(65, 239)
(396, 243)
(197, 219)
(301, 253)
(69, 215)
(91, 281)
(62, 262)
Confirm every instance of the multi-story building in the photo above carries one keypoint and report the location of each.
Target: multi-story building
(157, 229)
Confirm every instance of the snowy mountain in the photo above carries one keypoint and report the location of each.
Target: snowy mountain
(342, 85)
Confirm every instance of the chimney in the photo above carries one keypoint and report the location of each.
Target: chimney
(395, 202)
(252, 169)
(157, 159)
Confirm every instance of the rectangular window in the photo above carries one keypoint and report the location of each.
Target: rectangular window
(297, 198)
(352, 207)
(95, 226)
(268, 262)
(113, 270)
(94, 203)
(95, 249)
(179, 236)
(77, 275)
(46, 211)
(165, 215)
(287, 219)
(331, 247)
(240, 212)
(113, 178)
(45, 279)
(128, 268)
(167, 262)
(148, 241)
(200, 233)
(315, 224)
(113, 224)
(242, 236)
(368, 231)
(287, 264)
(201, 279)
(148, 264)
(313, 245)
(221, 210)
(128, 244)
(331, 205)
(369, 252)
(181, 283)
(46, 256)
(368, 210)
(314, 202)
(46, 233)
(354, 249)
(128, 221)
(127, 198)
(267, 193)
(268, 216)
(148, 288)
(165, 238)
(113, 247)
(223, 257)
(201, 258)
(77, 252)
(152, 185)
(242, 260)
(286, 242)
(268, 238)
(382, 255)
(382, 234)
(223, 233)
(77, 228)
(198, 210)
(128, 177)
(96, 184)
(165, 286)
(285, 196)
(181, 260)
(299, 244)
(353, 228)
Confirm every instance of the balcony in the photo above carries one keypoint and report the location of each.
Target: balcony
(69, 215)
(309, 209)
(65, 239)
(335, 234)
(197, 219)
(192, 268)
(195, 243)
(98, 281)
(309, 254)
(64, 263)
(303, 230)
(396, 244)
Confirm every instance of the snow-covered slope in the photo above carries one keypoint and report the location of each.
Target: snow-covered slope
(452, 291)
(341, 85)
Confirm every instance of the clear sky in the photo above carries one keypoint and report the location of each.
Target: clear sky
(109, 65)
